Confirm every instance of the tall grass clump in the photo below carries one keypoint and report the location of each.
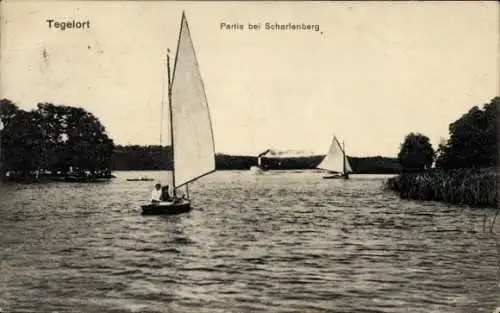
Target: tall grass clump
(474, 187)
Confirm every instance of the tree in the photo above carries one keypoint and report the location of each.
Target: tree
(17, 139)
(473, 141)
(21, 143)
(416, 153)
(55, 139)
(440, 153)
(75, 139)
(8, 110)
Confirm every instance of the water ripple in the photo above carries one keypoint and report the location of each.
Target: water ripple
(280, 242)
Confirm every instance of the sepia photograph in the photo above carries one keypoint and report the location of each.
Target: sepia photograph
(251, 156)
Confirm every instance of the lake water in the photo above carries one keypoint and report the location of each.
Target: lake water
(279, 242)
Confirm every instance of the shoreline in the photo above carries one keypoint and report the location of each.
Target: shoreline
(27, 179)
(45, 178)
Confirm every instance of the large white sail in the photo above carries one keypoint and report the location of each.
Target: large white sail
(335, 158)
(193, 142)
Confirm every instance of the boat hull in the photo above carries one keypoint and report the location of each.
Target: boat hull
(140, 179)
(167, 207)
(335, 177)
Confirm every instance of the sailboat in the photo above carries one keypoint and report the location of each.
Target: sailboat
(191, 135)
(336, 161)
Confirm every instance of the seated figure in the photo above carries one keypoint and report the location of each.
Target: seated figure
(165, 195)
(156, 194)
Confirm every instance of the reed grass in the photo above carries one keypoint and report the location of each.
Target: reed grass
(473, 187)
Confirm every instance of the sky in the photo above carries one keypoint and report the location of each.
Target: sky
(374, 72)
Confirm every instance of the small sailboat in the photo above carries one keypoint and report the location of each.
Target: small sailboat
(336, 161)
(191, 135)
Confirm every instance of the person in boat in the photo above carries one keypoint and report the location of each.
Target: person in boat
(156, 194)
(165, 195)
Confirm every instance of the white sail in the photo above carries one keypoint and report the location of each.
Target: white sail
(335, 158)
(193, 142)
(348, 168)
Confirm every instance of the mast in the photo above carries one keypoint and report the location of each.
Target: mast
(169, 88)
(343, 159)
(162, 106)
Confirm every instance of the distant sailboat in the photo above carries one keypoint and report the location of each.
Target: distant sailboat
(336, 161)
(191, 134)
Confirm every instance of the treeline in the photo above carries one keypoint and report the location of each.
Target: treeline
(465, 165)
(53, 141)
(64, 142)
(159, 158)
(141, 158)
(360, 165)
